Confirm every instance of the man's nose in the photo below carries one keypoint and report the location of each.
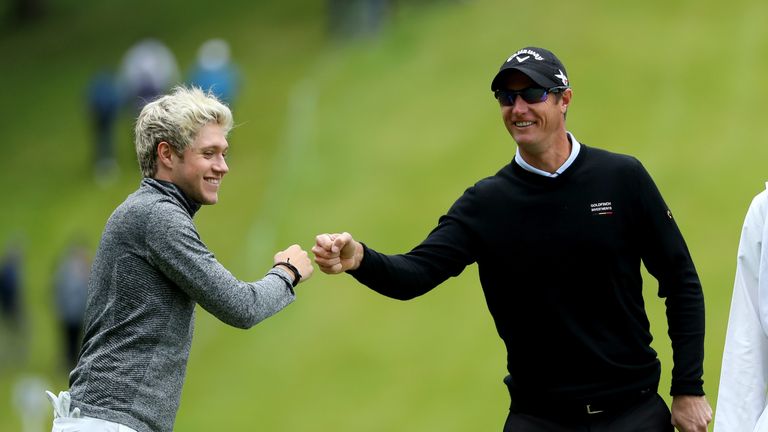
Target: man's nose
(221, 165)
(519, 104)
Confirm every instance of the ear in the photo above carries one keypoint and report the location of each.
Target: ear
(566, 99)
(164, 155)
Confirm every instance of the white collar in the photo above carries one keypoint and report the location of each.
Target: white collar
(575, 148)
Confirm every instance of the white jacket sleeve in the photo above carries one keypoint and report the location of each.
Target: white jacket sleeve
(741, 398)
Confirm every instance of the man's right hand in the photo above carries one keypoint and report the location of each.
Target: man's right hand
(337, 253)
(299, 258)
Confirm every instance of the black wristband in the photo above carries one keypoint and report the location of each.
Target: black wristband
(291, 267)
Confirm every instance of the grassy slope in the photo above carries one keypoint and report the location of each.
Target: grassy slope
(385, 134)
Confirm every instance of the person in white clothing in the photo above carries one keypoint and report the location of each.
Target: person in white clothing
(741, 402)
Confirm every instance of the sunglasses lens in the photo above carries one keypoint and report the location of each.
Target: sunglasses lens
(534, 94)
(504, 98)
(530, 95)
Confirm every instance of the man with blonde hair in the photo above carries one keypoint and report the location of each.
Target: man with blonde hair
(151, 269)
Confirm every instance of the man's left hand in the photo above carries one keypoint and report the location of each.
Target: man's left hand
(691, 413)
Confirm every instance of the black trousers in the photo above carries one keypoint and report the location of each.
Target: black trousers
(649, 415)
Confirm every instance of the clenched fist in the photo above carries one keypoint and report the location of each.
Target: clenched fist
(299, 258)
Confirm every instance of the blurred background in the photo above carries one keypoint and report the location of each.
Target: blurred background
(364, 116)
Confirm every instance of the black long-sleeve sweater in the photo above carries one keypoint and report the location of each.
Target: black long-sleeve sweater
(559, 262)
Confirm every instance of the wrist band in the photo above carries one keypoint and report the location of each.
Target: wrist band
(291, 267)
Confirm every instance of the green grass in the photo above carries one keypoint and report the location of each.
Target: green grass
(386, 133)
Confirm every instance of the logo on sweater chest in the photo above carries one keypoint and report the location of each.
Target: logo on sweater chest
(603, 208)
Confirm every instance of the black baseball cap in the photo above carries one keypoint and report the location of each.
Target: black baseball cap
(540, 65)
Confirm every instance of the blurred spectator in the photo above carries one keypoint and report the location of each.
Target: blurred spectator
(70, 284)
(353, 18)
(148, 69)
(29, 400)
(27, 11)
(103, 100)
(13, 346)
(10, 285)
(215, 72)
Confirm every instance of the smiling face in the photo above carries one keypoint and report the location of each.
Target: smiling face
(534, 126)
(199, 170)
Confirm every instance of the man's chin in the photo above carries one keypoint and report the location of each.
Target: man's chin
(205, 199)
(208, 197)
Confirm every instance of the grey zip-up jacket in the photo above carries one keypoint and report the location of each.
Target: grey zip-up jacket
(150, 270)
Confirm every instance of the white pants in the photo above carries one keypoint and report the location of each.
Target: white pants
(87, 424)
(65, 420)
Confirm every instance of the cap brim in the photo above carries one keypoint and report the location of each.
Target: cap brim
(532, 74)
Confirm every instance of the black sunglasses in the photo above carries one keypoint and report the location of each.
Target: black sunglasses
(531, 94)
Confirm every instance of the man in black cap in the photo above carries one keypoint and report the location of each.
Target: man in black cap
(559, 235)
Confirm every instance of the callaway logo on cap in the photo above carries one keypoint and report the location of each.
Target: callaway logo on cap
(543, 67)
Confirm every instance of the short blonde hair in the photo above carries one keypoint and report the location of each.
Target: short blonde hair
(176, 119)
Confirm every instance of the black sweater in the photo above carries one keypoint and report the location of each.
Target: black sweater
(559, 263)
